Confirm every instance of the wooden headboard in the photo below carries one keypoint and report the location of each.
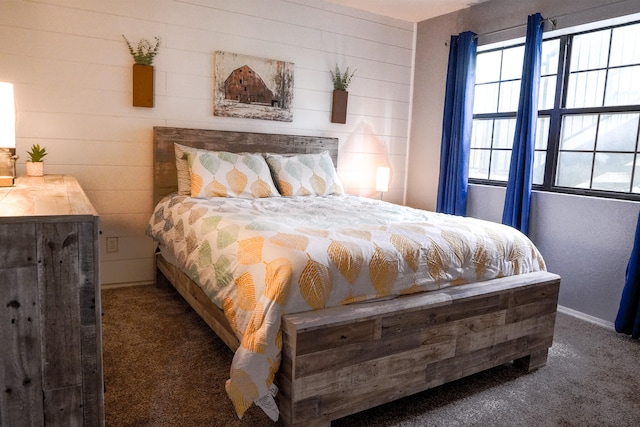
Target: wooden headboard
(165, 180)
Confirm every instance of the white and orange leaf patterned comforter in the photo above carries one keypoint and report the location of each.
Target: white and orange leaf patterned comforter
(258, 259)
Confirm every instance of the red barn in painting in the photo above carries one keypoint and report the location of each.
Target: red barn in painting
(246, 86)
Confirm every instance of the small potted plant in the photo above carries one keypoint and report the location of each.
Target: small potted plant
(143, 56)
(35, 165)
(341, 81)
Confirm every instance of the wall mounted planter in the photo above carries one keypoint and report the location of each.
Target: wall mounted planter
(339, 109)
(143, 85)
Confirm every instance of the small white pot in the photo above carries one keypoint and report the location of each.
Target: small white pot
(35, 168)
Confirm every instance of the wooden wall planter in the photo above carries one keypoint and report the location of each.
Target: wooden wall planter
(143, 85)
(339, 110)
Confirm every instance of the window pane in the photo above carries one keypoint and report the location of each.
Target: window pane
(597, 143)
(481, 134)
(612, 172)
(509, 95)
(623, 86)
(539, 161)
(617, 132)
(503, 133)
(574, 169)
(540, 156)
(590, 50)
(479, 163)
(542, 133)
(579, 132)
(485, 98)
(500, 165)
(586, 89)
(547, 93)
(625, 45)
(512, 60)
(488, 67)
(550, 56)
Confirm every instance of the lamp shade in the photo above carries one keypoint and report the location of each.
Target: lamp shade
(7, 116)
(382, 179)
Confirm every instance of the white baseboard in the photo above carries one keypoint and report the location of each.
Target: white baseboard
(586, 317)
(126, 285)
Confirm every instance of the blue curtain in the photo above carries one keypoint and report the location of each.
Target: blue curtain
(628, 319)
(456, 125)
(518, 196)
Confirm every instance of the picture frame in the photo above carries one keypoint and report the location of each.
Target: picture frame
(252, 87)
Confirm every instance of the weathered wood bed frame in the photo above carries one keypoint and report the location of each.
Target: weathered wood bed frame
(342, 360)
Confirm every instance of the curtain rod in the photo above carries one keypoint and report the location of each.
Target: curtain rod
(551, 21)
(502, 30)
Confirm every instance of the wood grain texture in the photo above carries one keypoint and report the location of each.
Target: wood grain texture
(51, 355)
(425, 345)
(63, 407)
(165, 178)
(342, 360)
(58, 286)
(48, 195)
(20, 372)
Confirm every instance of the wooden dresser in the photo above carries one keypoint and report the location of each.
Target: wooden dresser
(50, 312)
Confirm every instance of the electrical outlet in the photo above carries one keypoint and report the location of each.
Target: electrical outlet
(112, 244)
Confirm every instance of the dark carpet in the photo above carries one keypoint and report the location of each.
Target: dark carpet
(163, 366)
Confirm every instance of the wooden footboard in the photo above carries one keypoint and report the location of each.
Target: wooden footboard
(343, 360)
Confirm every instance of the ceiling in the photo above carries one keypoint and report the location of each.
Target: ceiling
(409, 10)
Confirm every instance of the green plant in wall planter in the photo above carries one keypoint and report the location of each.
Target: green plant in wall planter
(35, 164)
(341, 81)
(143, 55)
(145, 52)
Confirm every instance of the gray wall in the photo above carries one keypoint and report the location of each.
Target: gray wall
(584, 239)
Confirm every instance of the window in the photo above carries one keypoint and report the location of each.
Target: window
(588, 113)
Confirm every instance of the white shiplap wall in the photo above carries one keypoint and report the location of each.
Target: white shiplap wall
(72, 74)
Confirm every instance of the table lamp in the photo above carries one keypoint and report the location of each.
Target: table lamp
(7, 135)
(382, 180)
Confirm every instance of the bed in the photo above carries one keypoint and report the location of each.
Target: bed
(339, 360)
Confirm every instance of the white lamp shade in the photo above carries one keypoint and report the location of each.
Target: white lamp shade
(382, 179)
(7, 116)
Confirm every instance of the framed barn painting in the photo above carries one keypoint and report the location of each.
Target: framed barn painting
(251, 87)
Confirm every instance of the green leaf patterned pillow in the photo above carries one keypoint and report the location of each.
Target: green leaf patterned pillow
(223, 174)
(305, 174)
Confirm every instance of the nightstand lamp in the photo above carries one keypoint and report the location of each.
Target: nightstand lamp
(7, 135)
(382, 180)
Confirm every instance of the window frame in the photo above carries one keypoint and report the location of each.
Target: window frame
(556, 115)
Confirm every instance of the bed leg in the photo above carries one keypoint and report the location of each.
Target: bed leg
(533, 361)
(161, 281)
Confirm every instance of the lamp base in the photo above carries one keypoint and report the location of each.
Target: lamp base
(6, 181)
(7, 167)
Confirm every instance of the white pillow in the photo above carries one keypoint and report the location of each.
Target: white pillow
(223, 174)
(305, 174)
